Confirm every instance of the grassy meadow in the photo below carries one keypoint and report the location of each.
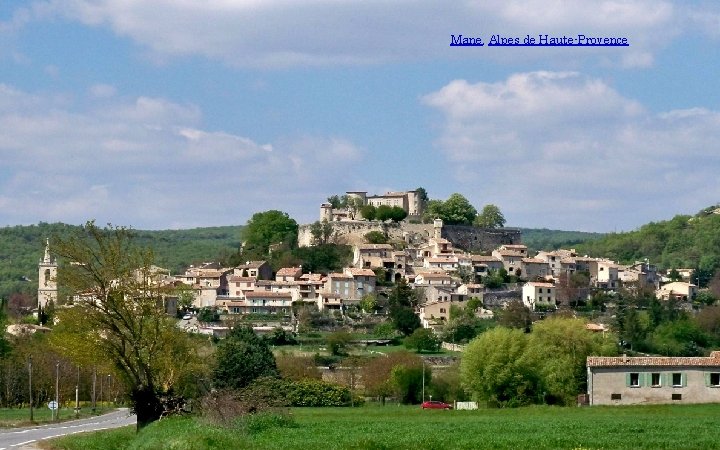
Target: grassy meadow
(406, 427)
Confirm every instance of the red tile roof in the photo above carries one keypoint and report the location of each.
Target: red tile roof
(639, 361)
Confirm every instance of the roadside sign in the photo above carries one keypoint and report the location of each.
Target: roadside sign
(53, 405)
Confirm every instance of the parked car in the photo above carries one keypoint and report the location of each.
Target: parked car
(434, 404)
(187, 316)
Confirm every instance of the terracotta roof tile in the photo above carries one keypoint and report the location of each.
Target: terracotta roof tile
(645, 361)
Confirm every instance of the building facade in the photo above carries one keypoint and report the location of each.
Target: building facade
(623, 380)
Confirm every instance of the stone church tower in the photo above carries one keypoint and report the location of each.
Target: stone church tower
(47, 279)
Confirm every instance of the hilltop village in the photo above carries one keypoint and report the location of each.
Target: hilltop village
(470, 286)
(446, 266)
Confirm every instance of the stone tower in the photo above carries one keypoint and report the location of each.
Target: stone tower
(437, 228)
(47, 279)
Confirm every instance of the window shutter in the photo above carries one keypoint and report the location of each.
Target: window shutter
(627, 379)
(648, 379)
(707, 378)
(668, 379)
(683, 379)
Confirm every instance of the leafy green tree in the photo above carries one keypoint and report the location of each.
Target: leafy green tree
(267, 228)
(338, 201)
(493, 369)
(368, 212)
(407, 380)
(490, 217)
(558, 348)
(397, 214)
(682, 337)
(516, 315)
(376, 237)
(185, 296)
(457, 210)
(120, 315)
(384, 330)
(402, 294)
(369, 303)
(422, 195)
(464, 328)
(383, 213)
(324, 258)
(241, 358)
(404, 319)
(423, 340)
(338, 342)
(4, 344)
(433, 210)
(208, 314)
(321, 232)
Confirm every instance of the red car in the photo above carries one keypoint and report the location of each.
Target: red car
(434, 404)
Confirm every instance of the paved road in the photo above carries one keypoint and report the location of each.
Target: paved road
(17, 438)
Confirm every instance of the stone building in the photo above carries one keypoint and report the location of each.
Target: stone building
(47, 279)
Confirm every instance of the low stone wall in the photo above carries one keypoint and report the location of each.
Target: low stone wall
(466, 237)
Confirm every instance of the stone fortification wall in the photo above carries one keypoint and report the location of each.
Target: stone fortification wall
(354, 231)
(466, 237)
(474, 239)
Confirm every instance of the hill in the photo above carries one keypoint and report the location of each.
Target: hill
(543, 239)
(681, 242)
(21, 247)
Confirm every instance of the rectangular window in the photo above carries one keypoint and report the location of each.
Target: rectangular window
(677, 379)
(634, 380)
(615, 396)
(715, 379)
(677, 397)
(655, 380)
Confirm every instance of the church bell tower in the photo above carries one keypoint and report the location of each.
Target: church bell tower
(47, 279)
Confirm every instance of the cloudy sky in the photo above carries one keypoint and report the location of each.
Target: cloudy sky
(179, 113)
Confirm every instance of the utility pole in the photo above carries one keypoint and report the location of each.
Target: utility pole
(423, 380)
(30, 387)
(93, 388)
(56, 411)
(77, 394)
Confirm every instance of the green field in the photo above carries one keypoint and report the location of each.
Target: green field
(405, 427)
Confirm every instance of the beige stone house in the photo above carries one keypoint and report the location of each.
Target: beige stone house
(678, 290)
(622, 380)
(539, 294)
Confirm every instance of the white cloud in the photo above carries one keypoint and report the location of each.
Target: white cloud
(148, 162)
(562, 148)
(280, 33)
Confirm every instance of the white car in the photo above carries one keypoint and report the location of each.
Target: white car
(187, 316)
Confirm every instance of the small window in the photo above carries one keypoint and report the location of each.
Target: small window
(677, 396)
(635, 380)
(715, 379)
(615, 396)
(677, 379)
(655, 380)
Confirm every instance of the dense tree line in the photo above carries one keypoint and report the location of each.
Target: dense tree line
(683, 241)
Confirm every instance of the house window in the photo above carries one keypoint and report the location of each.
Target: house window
(634, 380)
(715, 379)
(615, 396)
(677, 397)
(442, 310)
(655, 380)
(677, 379)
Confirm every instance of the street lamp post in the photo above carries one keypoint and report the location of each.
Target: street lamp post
(30, 387)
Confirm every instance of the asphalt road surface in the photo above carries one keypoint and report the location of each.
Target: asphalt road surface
(24, 438)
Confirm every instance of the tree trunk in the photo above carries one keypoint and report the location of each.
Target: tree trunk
(147, 405)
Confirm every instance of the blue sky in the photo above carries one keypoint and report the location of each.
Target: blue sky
(179, 113)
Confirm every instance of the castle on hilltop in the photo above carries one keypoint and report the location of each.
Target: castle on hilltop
(348, 228)
(409, 201)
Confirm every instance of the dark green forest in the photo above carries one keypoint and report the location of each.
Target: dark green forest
(681, 242)
(543, 239)
(21, 247)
